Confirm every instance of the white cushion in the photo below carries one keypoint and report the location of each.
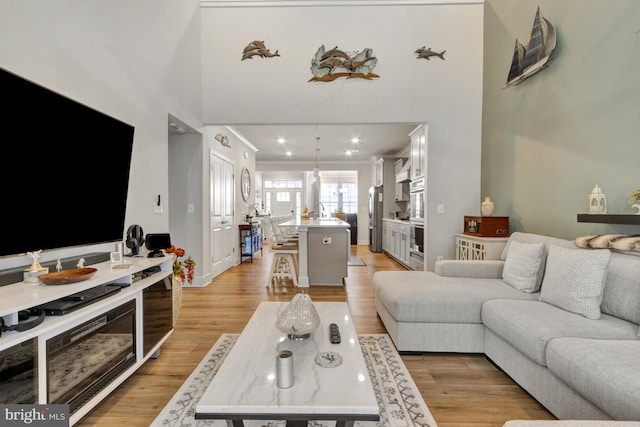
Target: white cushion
(574, 279)
(524, 266)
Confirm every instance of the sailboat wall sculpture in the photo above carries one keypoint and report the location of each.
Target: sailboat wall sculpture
(528, 60)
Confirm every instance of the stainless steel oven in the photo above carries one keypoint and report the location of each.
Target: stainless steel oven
(416, 247)
(86, 358)
(416, 208)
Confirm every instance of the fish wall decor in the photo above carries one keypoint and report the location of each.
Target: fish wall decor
(328, 65)
(427, 53)
(257, 48)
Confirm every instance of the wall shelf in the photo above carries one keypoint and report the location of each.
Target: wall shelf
(610, 219)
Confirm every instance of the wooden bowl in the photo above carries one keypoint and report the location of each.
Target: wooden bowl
(64, 277)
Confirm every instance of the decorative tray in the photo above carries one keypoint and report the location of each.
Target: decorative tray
(328, 359)
(64, 277)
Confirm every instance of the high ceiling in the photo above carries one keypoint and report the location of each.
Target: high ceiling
(333, 142)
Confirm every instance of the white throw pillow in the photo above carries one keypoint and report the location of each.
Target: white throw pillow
(524, 266)
(574, 279)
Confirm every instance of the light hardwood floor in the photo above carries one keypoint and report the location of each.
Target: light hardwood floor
(461, 390)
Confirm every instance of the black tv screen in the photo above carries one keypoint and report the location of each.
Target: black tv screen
(65, 175)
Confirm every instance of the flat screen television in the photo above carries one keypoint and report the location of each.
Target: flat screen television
(65, 174)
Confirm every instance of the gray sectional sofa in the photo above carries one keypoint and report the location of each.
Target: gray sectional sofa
(561, 320)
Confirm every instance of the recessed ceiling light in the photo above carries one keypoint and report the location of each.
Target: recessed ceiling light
(348, 152)
(355, 140)
(289, 153)
(281, 140)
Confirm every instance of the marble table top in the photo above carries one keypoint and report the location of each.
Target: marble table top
(245, 386)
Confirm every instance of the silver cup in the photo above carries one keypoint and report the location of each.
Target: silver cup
(284, 368)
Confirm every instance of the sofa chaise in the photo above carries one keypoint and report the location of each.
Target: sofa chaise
(560, 319)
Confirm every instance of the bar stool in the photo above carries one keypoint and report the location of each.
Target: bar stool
(284, 263)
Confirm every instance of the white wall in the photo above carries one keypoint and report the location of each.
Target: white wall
(445, 94)
(140, 61)
(136, 61)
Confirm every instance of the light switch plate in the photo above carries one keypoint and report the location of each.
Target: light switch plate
(157, 205)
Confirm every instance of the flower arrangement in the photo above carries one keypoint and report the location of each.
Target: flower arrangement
(635, 196)
(185, 270)
(251, 211)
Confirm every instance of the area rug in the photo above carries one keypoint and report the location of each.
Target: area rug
(401, 404)
(355, 261)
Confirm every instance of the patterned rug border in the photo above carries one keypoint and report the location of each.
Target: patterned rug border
(400, 401)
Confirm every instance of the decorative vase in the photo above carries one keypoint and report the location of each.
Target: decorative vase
(176, 293)
(637, 206)
(299, 318)
(487, 207)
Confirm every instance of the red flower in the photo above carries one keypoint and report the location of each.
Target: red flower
(179, 266)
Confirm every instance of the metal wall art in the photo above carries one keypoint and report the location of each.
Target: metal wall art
(223, 140)
(528, 60)
(329, 65)
(428, 53)
(257, 48)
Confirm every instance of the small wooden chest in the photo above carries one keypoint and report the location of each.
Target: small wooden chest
(486, 226)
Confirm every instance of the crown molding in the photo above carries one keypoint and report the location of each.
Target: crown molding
(309, 3)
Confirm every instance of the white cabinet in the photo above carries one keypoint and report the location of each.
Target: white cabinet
(418, 151)
(379, 172)
(140, 312)
(479, 248)
(395, 240)
(386, 236)
(403, 244)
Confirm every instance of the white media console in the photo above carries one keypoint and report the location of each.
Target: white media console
(145, 304)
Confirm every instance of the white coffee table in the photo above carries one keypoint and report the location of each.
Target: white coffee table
(245, 387)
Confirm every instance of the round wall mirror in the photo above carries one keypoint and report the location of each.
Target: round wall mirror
(245, 184)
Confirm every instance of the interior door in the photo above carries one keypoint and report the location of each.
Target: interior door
(284, 201)
(222, 205)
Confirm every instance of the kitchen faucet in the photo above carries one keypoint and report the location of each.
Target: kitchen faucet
(314, 214)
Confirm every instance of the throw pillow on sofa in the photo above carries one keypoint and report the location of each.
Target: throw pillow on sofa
(524, 266)
(574, 279)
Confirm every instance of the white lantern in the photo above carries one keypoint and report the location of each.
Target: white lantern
(597, 201)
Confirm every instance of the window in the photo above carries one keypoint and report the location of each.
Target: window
(283, 196)
(339, 190)
(267, 201)
(296, 183)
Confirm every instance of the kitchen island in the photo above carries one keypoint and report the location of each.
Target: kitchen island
(323, 250)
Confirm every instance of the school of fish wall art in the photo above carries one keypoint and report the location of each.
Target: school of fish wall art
(329, 65)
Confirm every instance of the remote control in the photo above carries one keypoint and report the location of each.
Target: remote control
(334, 334)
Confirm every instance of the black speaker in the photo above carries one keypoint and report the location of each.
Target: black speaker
(135, 239)
(155, 243)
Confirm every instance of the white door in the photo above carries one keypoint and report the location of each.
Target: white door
(222, 205)
(284, 201)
